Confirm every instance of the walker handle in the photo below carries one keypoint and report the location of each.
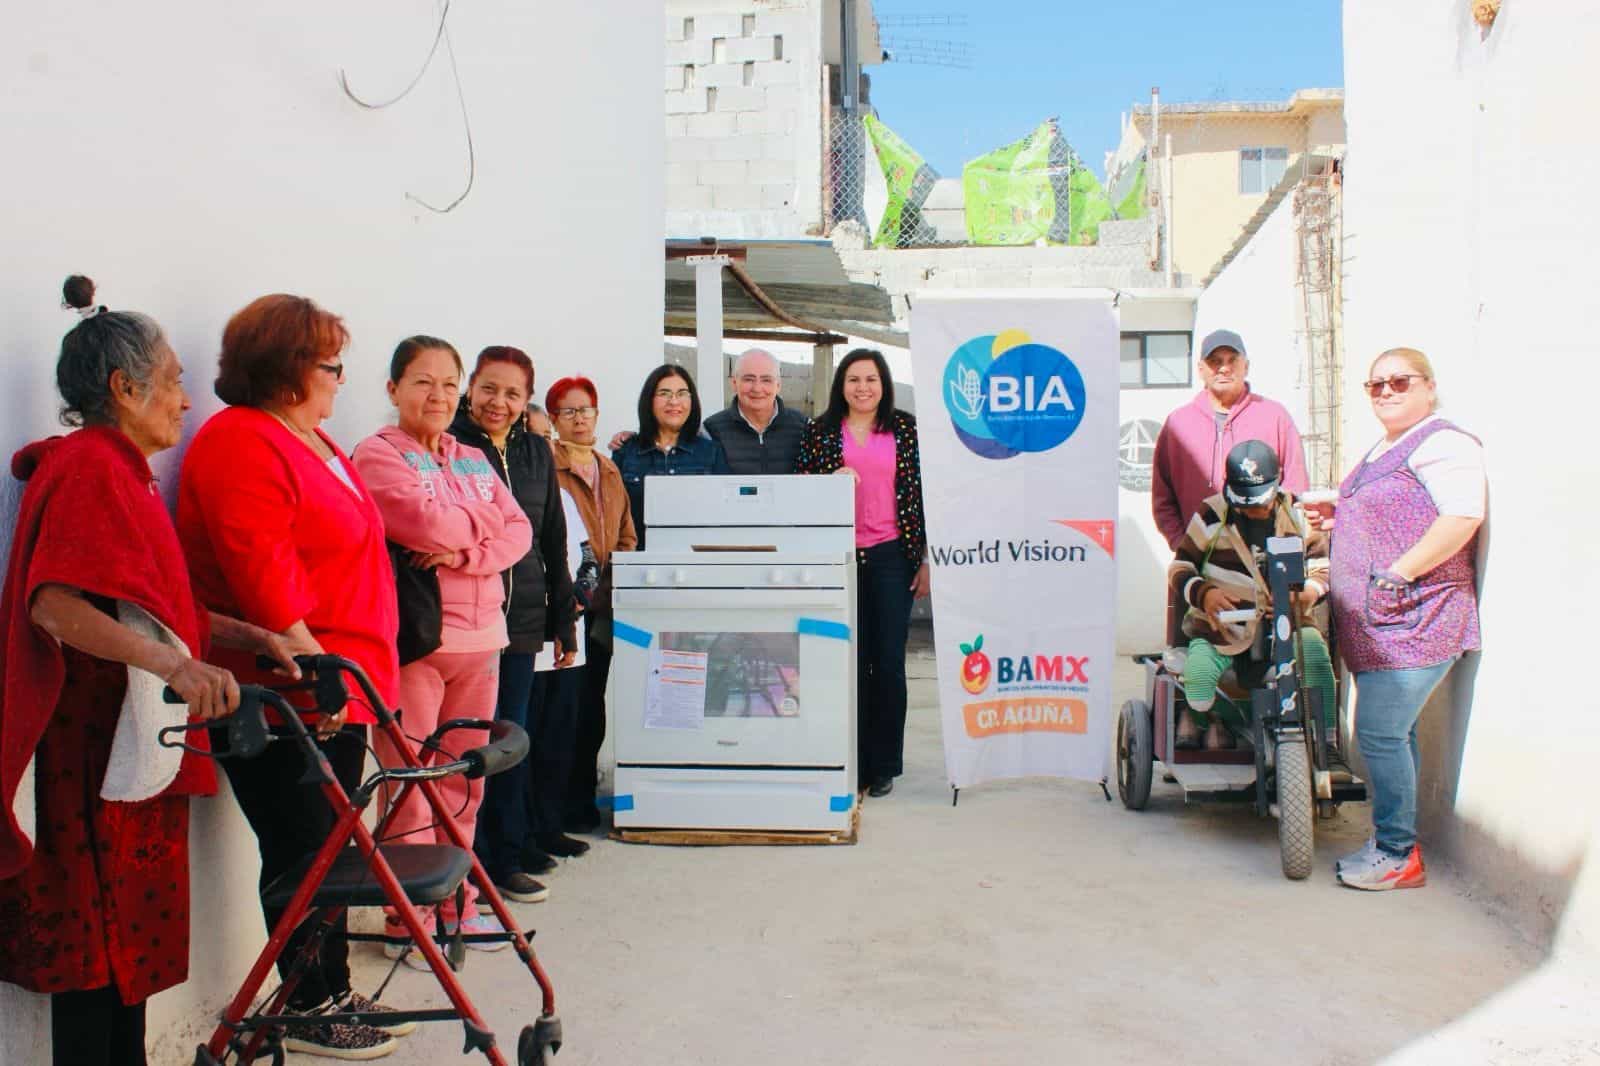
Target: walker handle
(508, 745)
(1238, 617)
(246, 728)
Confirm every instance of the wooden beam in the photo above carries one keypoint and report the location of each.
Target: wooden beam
(763, 335)
(736, 252)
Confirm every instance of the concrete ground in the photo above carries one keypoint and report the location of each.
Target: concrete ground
(1034, 923)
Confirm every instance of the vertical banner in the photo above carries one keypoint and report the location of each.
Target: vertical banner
(1018, 426)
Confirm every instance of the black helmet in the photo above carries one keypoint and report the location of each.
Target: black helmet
(1252, 474)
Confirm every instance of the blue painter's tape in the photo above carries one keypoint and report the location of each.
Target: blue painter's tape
(603, 802)
(631, 634)
(818, 627)
(839, 803)
(623, 802)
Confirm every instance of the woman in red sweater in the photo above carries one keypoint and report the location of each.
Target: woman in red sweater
(279, 530)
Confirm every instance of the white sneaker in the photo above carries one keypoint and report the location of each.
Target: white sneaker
(1364, 855)
(484, 922)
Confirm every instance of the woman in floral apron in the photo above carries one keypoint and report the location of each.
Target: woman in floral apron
(1404, 595)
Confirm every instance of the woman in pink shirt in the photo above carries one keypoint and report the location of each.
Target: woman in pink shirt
(442, 501)
(863, 435)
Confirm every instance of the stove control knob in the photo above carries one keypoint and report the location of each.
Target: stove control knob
(807, 577)
(680, 577)
(779, 577)
(652, 577)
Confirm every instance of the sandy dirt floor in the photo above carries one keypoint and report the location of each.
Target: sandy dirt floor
(1034, 923)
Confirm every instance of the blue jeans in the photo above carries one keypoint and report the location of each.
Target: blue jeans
(883, 617)
(503, 818)
(1388, 704)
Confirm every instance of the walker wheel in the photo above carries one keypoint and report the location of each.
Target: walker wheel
(538, 1043)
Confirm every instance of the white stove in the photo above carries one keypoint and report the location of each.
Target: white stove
(732, 686)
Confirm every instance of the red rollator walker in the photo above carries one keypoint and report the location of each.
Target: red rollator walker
(339, 876)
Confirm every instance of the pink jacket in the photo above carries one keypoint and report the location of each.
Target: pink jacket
(452, 501)
(1191, 453)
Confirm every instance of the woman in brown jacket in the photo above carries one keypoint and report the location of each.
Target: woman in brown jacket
(595, 486)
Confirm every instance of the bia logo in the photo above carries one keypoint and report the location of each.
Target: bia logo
(1007, 395)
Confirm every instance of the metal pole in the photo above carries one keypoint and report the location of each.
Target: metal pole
(849, 58)
(1166, 206)
(1155, 180)
(821, 377)
(708, 369)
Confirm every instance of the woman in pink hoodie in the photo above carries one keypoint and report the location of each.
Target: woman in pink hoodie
(443, 501)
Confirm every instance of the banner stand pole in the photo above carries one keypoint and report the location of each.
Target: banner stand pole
(955, 795)
(1104, 789)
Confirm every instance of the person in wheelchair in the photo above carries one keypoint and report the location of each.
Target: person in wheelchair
(1219, 568)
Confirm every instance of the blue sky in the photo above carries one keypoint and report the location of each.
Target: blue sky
(1087, 63)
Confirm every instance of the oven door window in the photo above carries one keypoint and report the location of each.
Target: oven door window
(745, 675)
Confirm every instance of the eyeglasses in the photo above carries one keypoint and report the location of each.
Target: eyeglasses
(673, 394)
(1399, 384)
(336, 369)
(576, 412)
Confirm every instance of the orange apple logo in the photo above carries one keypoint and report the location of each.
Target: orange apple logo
(975, 667)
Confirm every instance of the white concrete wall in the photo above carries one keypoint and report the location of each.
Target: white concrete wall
(1142, 553)
(191, 157)
(1255, 296)
(1468, 235)
(744, 117)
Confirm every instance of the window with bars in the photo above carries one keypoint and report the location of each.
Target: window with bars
(1260, 169)
(1156, 360)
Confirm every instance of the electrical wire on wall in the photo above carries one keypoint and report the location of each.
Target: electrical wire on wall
(441, 35)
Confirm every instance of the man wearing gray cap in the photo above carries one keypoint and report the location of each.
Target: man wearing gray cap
(1194, 443)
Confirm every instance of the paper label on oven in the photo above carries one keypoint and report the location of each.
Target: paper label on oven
(676, 693)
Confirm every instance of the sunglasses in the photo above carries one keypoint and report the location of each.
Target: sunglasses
(1399, 384)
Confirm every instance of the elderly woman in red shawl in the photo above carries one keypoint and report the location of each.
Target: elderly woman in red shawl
(98, 616)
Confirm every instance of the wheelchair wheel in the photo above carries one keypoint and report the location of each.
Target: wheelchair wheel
(1296, 811)
(1135, 755)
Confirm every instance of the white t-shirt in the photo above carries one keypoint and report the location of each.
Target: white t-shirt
(1450, 466)
(577, 534)
(342, 474)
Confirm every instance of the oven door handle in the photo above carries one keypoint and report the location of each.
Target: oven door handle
(739, 599)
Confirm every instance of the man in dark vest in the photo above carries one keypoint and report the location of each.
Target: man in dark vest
(757, 432)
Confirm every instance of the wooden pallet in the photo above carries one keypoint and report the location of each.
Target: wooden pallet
(715, 838)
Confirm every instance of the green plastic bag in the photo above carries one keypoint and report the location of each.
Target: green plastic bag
(909, 179)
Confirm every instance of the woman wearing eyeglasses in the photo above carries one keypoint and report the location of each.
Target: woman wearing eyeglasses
(280, 530)
(669, 441)
(594, 485)
(1404, 595)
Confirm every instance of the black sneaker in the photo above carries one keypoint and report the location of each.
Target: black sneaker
(583, 821)
(881, 787)
(336, 1040)
(355, 1001)
(561, 844)
(522, 888)
(535, 861)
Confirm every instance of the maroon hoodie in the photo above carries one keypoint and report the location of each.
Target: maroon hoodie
(1192, 451)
